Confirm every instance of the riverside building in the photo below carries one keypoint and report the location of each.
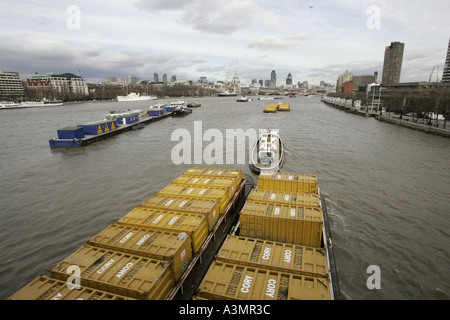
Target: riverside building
(60, 83)
(11, 85)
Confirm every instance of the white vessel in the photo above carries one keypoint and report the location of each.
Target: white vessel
(42, 103)
(133, 96)
(244, 99)
(10, 105)
(268, 152)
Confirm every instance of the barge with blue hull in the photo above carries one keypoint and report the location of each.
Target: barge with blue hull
(114, 123)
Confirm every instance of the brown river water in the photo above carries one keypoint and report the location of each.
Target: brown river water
(387, 188)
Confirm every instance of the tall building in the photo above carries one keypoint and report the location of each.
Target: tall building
(446, 74)
(392, 67)
(11, 85)
(155, 77)
(273, 80)
(289, 79)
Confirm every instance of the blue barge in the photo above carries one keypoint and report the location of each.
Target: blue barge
(114, 124)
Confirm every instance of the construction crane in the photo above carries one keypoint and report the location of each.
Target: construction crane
(437, 74)
(431, 74)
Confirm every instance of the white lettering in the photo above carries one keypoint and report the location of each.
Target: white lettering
(172, 221)
(182, 204)
(124, 269)
(270, 289)
(266, 253)
(105, 266)
(125, 239)
(246, 284)
(158, 218)
(57, 296)
(287, 256)
(277, 211)
(142, 240)
(168, 203)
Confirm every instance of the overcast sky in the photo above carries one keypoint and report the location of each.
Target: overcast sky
(313, 40)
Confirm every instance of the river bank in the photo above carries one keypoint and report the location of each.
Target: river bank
(416, 124)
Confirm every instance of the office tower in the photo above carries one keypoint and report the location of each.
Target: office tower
(446, 74)
(273, 80)
(289, 79)
(392, 67)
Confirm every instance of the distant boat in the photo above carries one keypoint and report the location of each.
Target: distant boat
(42, 103)
(268, 152)
(266, 98)
(10, 105)
(179, 111)
(244, 99)
(133, 96)
(193, 105)
(227, 94)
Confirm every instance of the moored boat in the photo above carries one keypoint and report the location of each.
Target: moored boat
(42, 103)
(133, 96)
(179, 111)
(193, 105)
(268, 152)
(10, 105)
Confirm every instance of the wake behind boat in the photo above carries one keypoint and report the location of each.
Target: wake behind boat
(268, 152)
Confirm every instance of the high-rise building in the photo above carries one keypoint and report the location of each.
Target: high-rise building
(392, 67)
(273, 79)
(446, 74)
(289, 79)
(11, 86)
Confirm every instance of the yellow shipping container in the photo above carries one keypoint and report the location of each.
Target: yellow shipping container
(209, 208)
(237, 282)
(221, 173)
(206, 181)
(198, 192)
(288, 182)
(298, 199)
(284, 107)
(117, 272)
(155, 244)
(276, 256)
(193, 224)
(45, 288)
(283, 223)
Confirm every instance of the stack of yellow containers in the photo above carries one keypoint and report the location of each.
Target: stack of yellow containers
(146, 252)
(279, 253)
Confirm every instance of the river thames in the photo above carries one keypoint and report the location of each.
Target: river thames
(387, 188)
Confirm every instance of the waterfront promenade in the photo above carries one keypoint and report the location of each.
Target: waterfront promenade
(406, 121)
(416, 124)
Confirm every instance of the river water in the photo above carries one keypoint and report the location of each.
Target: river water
(387, 187)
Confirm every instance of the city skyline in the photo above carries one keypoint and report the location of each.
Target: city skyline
(312, 40)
